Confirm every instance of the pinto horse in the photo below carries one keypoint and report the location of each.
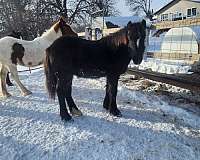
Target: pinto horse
(27, 53)
(108, 57)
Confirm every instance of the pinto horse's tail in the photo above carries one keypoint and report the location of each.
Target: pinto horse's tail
(51, 79)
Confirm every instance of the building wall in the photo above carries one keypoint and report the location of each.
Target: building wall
(180, 7)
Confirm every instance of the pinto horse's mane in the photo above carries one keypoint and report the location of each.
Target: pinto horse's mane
(65, 29)
(116, 39)
(45, 33)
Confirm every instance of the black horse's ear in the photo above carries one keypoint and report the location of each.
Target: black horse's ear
(129, 24)
(144, 23)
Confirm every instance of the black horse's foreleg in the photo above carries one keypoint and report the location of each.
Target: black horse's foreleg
(112, 82)
(106, 99)
(68, 95)
(61, 90)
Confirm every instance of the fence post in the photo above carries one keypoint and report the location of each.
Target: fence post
(98, 33)
(88, 33)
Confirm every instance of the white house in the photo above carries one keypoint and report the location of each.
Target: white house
(178, 10)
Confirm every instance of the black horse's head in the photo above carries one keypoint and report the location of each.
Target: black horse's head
(136, 33)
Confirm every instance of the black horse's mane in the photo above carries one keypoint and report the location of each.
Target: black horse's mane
(116, 39)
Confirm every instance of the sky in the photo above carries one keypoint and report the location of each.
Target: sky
(124, 10)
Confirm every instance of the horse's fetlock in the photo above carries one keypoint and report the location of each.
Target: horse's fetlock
(65, 116)
(115, 112)
(75, 112)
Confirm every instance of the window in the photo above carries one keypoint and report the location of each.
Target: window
(189, 12)
(194, 11)
(164, 17)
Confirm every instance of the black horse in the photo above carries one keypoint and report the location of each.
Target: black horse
(15, 35)
(109, 57)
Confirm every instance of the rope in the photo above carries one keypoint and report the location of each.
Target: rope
(29, 70)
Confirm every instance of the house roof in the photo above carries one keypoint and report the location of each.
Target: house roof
(166, 6)
(172, 3)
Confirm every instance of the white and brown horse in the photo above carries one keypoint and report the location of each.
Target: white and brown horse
(15, 51)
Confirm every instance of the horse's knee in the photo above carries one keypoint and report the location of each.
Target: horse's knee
(3, 73)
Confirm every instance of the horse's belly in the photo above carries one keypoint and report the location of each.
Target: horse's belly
(91, 73)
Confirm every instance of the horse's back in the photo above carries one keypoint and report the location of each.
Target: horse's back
(64, 43)
(7, 39)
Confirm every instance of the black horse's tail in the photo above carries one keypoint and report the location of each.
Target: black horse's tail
(51, 80)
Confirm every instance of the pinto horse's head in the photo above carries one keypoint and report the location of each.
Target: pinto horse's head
(64, 28)
(16, 34)
(136, 33)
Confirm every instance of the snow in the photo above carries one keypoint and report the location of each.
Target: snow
(151, 128)
(164, 66)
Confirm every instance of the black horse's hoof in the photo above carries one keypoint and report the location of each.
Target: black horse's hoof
(116, 113)
(10, 84)
(105, 107)
(76, 112)
(67, 118)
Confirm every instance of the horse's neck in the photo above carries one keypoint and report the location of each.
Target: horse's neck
(38, 46)
(50, 36)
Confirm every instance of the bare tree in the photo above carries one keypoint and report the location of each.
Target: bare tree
(141, 6)
(76, 11)
(108, 6)
(25, 16)
(32, 17)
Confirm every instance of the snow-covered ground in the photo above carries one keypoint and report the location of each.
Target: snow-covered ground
(164, 66)
(151, 128)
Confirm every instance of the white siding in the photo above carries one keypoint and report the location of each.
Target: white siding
(181, 7)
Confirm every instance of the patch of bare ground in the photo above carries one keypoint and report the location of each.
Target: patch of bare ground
(173, 95)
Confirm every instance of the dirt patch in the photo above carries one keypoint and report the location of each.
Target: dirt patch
(176, 96)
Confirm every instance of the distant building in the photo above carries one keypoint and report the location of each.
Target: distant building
(115, 22)
(102, 26)
(178, 10)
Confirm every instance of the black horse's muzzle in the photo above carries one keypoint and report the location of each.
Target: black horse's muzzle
(136, 50)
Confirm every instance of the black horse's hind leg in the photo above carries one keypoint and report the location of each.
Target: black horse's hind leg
(68, 95)
(61, 90)
(8, 82)
(111, 93)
